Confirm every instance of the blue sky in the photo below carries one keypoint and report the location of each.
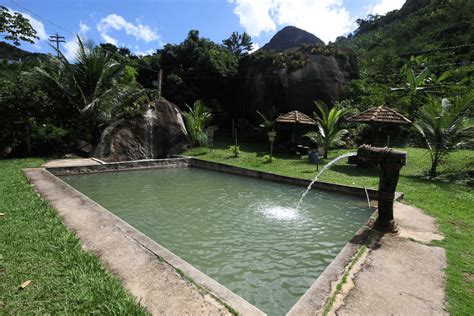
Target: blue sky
(145, 25)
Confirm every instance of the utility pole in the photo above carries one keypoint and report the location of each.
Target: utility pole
(57, 39)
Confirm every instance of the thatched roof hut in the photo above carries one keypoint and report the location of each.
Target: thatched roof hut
(295, 117)
(380, 115)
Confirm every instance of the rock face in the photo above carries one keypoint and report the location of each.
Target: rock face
(158, 132)
(268, 79)
(290, 37)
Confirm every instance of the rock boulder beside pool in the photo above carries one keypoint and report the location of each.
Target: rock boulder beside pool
(157, 132)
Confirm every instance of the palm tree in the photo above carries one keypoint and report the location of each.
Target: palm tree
(268, 120)
(445, 126)
(197, 119)
(89, 84)
(329, 125)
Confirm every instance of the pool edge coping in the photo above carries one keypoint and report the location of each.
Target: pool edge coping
(312, 301)
(225, 297)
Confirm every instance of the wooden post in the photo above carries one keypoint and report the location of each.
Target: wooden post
(235, 136)
(271, 150)
(293, 133)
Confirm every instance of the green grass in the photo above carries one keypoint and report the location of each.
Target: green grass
(448, 199)
(36, 246)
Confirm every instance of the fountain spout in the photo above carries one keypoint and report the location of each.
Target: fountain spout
(389, 162)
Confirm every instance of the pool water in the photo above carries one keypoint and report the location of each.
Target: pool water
(243, 232)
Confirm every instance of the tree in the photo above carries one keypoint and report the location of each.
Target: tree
(329, 125)
(239, 44)
(195, 69)
(89, 85)
(15, 27)
(268, 120)
(445, 126)
(197, 119)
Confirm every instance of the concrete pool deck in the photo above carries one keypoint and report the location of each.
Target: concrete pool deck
(398, 275)
(402, 274)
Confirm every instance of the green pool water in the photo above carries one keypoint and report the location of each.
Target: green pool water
(241, 231)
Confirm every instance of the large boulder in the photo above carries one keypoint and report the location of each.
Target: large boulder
(157, 132)
(294, 78)
(323, 77)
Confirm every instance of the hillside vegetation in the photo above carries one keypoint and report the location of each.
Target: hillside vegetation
(421, 34)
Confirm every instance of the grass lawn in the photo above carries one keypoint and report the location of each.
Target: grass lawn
(36, 246)
(450, 201)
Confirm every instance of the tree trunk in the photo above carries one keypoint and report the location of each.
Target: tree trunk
(434, 165)
(326, 149)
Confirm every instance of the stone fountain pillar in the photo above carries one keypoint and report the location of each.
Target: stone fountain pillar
(389, 163)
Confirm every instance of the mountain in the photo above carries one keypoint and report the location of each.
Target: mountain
(291, 37)
(8, 51)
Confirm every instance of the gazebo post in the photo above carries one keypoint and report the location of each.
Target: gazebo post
(295, 117)
(293, 133)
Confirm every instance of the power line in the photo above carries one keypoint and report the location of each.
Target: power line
(73, 33)
(220, 77)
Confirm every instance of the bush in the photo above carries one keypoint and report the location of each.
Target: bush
(235, 150)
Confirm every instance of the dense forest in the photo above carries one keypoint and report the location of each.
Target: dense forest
(404, 58)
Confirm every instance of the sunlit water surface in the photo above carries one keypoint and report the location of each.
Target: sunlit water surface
(245, 233)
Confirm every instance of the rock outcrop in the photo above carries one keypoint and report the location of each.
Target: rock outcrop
(157, 132)
(294, 78)
(290, 37)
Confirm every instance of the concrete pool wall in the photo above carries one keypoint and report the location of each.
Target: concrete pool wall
(139, 260)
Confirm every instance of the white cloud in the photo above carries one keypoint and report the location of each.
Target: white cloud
(70, 49)
(83, 28)
(117, 22)
(326, 19)
(37, 25)
(147, 52)
(255, 47)
(109, 39)
(255, 16)
(385, 6)
(71, 45)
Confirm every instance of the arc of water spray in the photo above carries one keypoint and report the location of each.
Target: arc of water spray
(327, 166)
(367, 195)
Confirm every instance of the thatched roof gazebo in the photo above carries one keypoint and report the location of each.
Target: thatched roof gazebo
(295, 117)
(380, 116)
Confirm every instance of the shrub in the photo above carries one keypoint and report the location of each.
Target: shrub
(235, 150)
